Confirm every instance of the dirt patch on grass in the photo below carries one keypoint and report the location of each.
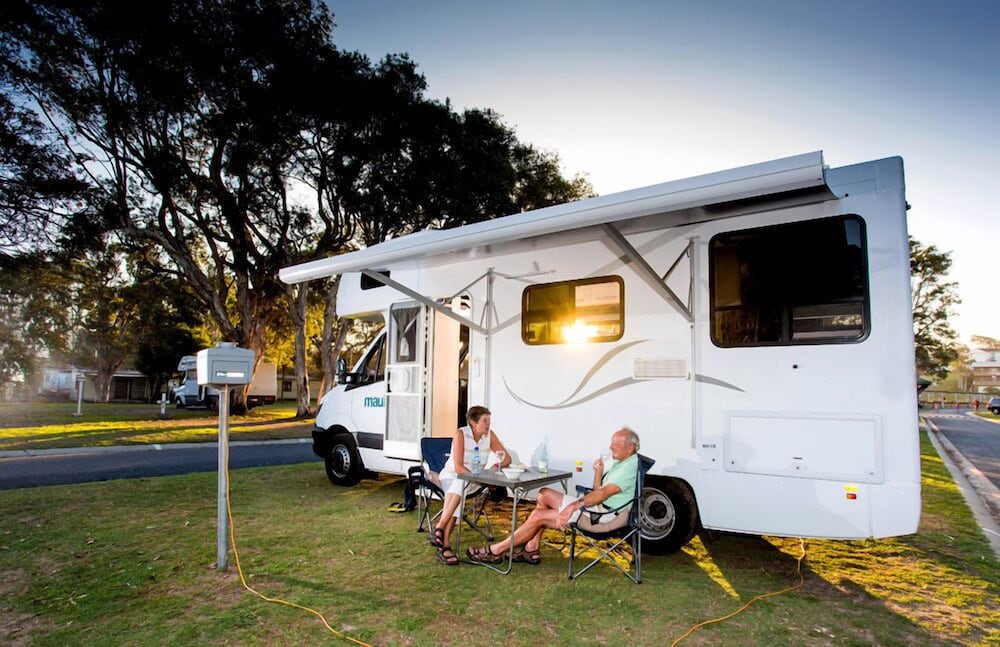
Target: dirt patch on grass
(12, 582)
(18, 629)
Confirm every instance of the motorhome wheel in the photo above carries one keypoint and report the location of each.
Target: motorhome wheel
(343, 465)
(669, 516)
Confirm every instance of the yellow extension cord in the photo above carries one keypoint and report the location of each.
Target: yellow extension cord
(239, 569)
(798, 571)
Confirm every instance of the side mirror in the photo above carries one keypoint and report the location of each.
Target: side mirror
(341, 371)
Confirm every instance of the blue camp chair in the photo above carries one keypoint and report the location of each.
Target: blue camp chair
(424, 483)
(624, 528)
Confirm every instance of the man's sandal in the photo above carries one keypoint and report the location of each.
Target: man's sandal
(447, 556)
(527, 556)
(483, 555)
(437, 537)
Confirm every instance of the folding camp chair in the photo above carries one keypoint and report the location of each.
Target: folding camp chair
(624, 528)
(423, 480)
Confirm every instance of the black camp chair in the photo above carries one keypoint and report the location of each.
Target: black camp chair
(624, 528)
(423, 481)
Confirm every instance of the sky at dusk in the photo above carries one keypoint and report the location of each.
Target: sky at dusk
(635, 93)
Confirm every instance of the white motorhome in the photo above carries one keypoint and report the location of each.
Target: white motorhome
(187, 393)
(753, 326)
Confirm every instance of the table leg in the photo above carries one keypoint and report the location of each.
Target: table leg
(461, 516)
(518, 493)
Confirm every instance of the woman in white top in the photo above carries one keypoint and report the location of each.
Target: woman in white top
(466, 440)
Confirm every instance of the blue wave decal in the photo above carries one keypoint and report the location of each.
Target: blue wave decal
(607, 357)
(565, 405)
(598, 365)
(704, 379)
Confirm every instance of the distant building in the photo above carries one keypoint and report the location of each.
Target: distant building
(985, 369)
(126, 385)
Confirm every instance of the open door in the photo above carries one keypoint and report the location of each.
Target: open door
(406, 373)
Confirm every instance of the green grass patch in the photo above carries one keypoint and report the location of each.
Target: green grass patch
(129, 562)
(51, 425)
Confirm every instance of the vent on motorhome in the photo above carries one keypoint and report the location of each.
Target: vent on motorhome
(652, 369)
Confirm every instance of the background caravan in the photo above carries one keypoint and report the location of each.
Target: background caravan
(754, 327)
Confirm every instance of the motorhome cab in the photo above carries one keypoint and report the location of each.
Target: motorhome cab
(753, 326)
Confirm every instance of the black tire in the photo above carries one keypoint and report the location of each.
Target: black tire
(996, 411)
(343, 465)
(669, 515)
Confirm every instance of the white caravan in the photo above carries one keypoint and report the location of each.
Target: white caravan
(753, 326)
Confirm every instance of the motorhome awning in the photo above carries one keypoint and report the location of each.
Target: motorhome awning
(787, 175)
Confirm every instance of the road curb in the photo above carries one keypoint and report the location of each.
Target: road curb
(21, 453)
(980, 494)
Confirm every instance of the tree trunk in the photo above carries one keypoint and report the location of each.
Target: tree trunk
(326, 351)
(300, 298)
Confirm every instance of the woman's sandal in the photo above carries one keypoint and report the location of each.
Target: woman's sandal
(437, 537)
(447, 556)
(527, 556)
(483, 555)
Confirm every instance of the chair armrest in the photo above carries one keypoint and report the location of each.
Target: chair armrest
(583, 489)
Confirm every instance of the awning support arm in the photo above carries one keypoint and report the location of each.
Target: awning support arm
(430, 303)
(647, 272)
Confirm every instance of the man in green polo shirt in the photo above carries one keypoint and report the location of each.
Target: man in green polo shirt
(557, 510)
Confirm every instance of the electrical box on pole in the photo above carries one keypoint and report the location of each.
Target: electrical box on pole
(224, 366)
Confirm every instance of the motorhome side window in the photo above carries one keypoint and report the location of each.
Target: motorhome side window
(585, 310)
(372, 369)
(798, 283)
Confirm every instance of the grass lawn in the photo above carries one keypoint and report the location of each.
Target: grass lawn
(130, 562)
(50, 425)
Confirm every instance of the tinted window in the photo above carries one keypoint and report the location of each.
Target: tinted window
(586, 310)
(368, 283)
(804, 282)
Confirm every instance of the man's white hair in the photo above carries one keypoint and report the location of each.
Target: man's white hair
(631, 438)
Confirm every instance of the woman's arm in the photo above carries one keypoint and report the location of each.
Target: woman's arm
(497, 446)
(458, 452)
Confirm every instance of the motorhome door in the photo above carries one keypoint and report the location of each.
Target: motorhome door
(406, 378)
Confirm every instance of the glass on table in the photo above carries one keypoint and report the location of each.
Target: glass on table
(501, 455)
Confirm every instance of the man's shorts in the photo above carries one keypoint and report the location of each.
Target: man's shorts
(604, 518)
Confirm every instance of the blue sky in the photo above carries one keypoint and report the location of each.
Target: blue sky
(634, 93)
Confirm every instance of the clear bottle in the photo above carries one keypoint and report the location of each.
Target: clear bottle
(543, 457)
(477, 460)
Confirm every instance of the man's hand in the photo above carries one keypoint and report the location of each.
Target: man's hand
(567, 512)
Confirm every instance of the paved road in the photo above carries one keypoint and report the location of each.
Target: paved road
(978, 440)
(53, 469)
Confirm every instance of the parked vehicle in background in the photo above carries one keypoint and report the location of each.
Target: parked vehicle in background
(994, 406)
(187, 393)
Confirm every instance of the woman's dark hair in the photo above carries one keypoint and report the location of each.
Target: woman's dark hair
(475, 413)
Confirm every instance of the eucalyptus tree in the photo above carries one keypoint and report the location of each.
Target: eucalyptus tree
(180, 111)
(934, 299)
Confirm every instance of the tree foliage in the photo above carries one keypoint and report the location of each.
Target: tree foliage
(986, 343)
(934, 299)
(224, 139)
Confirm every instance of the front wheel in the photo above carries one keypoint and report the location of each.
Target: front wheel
(343, 465)
(669, 516)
